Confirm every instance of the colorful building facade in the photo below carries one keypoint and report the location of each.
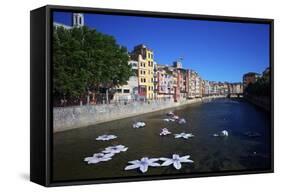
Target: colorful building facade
(144, 57)
(250, 78)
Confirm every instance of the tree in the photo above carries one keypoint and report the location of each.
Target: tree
(85, 60)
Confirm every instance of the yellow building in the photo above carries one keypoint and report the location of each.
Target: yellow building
(144, 57)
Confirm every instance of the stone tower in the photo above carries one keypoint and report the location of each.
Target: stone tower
(78, 20)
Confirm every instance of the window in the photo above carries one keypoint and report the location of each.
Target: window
(119, 90)
(144, 80)
(151, 80)
(126, 91)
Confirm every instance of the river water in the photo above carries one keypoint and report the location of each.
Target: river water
(240, 151)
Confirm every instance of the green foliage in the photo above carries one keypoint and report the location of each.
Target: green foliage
(85, 60)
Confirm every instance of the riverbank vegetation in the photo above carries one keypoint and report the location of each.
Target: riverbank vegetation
(85, 60)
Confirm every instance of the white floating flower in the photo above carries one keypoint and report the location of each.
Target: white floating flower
(176, 160)
(168, 120)
(224, 133)
(184, 135)
(139, 124)
(165, 131)
(182, 121)
(115, 149)
(175, 117)
(170, 113)
(106, 137)
(98, 157)
(142, 164)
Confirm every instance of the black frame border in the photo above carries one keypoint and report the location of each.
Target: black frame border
(48, 84)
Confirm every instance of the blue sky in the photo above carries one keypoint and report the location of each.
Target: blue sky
(218, 51)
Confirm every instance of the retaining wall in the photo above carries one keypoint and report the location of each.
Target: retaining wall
(65, 118)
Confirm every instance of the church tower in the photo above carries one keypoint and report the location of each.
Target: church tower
(78, 20)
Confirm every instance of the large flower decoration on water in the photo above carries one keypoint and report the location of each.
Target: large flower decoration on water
(175, 117)
(115, 149)
(223, 133)
(164, 132)
(106, 137)
(168, 120)
(171, 113)
(182, 121)
(176, 161)
(184, 135)
(139, 124)
(143, 164)
(98, 157)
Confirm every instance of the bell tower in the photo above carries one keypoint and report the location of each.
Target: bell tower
(78, 20)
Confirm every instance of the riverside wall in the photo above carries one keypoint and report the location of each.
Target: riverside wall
(66, 118)
(261, 102)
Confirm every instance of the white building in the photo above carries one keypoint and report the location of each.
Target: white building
(77, 21)
(128, 92)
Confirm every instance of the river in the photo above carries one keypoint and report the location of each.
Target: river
(239, 151)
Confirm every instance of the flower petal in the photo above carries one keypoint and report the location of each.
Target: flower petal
(93, 161)
(134, 162)
(177, 164)
(105, 159)
(144, 159)
(124, 149)
(176, 156)
(154, 164)
(186, 161)
(163, 158)
(129, 167)
(167, 162)
(107, 155)
(185, 157)
(144, 168)
(152, 160)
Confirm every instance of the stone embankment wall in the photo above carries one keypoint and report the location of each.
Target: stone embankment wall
(65, 118)
(262, 102)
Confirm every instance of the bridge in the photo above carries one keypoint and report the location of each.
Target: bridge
(235, 95)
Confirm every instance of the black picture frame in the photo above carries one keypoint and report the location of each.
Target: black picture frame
(41, 119)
